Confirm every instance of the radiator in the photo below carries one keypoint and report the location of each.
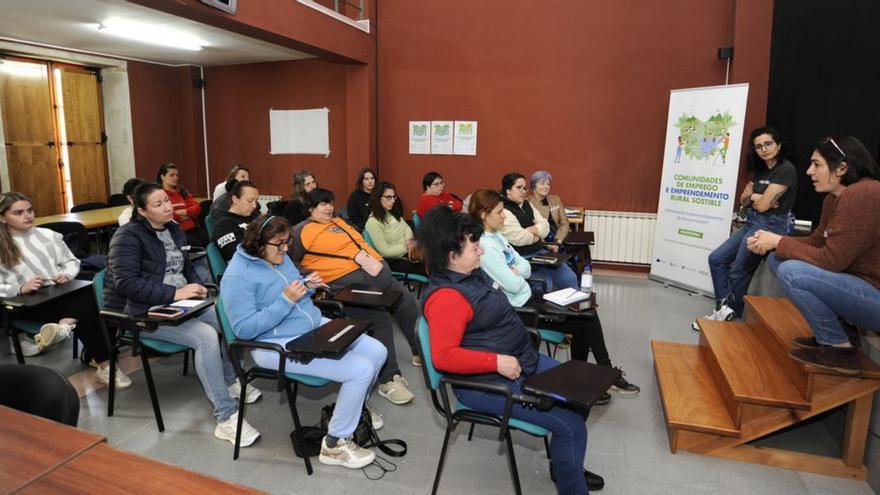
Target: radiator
(622, 237)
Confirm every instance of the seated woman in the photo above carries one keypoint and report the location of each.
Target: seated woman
(147, 267)
(237, 172)
(339, 254)
(303, 183)
(268, 300)
(435, 194)
(767, 202)
(229, 227)
(391, 235)
(33, 257)
(128, 190)
(526, 230)
(549, 206)
(510, 270)
(474, 331)
(186, 208)
(358, 207)
(834, 274)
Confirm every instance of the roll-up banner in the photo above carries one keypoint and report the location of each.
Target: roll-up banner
(701, 157)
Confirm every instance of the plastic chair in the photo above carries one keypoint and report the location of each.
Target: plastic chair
(415, 220)
(209, 225)
(130, 330)
(284, 380)
(88, 206)
(117, 199)
(215, 262)
(39, 391)
(454, 414)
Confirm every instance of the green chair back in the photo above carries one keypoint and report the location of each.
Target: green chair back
(215, 262)
(209, 225)
(98, 287)
(225, 325)
(432, 376)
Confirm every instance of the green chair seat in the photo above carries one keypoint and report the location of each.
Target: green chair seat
(551, 336)
(29, 327)
(311, 381)
(517, 424)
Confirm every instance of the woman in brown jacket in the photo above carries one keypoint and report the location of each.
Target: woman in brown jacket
(549, 205)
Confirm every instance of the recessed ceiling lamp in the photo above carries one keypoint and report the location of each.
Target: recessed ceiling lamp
(152, 34)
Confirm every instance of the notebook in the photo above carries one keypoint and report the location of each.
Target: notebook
(564, 297)
(331, 339)
(573, 382)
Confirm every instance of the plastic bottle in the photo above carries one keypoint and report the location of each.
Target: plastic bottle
(587, 279)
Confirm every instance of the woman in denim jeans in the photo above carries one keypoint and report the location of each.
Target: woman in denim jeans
(834, 274)
(766, 202)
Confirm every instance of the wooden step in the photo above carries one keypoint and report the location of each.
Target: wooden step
(782, 323)
(739, 359)
(691, 400)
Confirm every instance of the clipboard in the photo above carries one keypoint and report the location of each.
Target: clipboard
(574, 382)
(367, 296)
(330, 340)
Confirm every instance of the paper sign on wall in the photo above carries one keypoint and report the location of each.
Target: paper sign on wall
(441, 137)
(299, 131)
(465, 137)
(419, 137)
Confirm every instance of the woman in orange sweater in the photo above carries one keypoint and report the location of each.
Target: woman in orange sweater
(834, 274)
(186, 208)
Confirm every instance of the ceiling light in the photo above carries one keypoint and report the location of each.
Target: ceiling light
(153, 34)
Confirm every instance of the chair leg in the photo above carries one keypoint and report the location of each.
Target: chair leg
(297, 430)
(547, 446)
(7, 324)
(442, 459)
(471, 432)
(186, 361)
(111, 387)
(511, 460)
(547, 343)
(75, 346)
(241, 406)
(148, 374)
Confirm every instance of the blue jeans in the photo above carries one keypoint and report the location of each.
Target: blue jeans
(568, 442)
(562, 277)
(214, 369)
(733, 265)
(823, 297)
(356, 371)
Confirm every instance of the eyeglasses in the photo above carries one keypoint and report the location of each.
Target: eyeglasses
(288, 243)
(438, 183)
(392, 197)
(831, 140)
(766, 145)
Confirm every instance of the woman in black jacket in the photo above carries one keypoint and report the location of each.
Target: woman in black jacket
(358, 207)
(148, 266)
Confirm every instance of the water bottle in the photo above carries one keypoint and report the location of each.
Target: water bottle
(587, 279)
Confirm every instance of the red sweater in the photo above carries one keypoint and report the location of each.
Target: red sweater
(192, 207)
(848, 236)
(426, 202)
(448, 312)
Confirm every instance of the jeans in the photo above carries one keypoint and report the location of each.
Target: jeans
(356, 371)
(561, 277)
(212, 366)
(823, 297)
(733, 265)
(568, 442)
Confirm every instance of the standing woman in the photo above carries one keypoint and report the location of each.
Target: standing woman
(767, 201)
(186, 208)
(834, 274)
(296, 210)
(32, 258)
(548, 205)
(358, 208)
(148, 267)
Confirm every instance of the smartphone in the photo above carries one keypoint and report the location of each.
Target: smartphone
(165, 312)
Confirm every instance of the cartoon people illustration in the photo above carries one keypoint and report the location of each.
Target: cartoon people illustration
(725, 144)
(678, 148)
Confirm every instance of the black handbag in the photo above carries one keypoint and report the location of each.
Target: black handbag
(365, 435)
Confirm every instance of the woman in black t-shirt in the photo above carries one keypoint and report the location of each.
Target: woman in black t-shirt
(767, 201)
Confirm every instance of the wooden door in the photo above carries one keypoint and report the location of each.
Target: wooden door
(84, 126)
(29, 131)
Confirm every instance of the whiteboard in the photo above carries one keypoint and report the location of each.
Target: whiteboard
(299, 131)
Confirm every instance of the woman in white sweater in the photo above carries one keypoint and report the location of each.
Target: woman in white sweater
(32, 258)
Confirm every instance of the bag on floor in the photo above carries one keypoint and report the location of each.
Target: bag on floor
(365, 435)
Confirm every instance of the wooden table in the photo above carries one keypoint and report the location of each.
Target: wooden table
(91, 219)
(104, 469)
(32, 447)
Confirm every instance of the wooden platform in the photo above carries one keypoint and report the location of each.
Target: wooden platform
(739, 385)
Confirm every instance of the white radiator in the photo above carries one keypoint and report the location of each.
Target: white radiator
(622, 237)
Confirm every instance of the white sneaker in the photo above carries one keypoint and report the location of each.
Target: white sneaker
(28, 348)
(395, 390)
(723, 313)
(346, 453)
(225, 430)
(376, 419)
(52, 333)
(122, 381)
(251, 395)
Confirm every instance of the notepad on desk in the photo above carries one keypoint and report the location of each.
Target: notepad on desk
(564, 297)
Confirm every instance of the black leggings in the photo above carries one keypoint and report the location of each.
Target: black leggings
(586, 336)
(80, 306)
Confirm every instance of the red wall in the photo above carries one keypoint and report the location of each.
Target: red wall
(577, 88)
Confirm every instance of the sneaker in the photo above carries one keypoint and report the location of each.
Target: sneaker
(122, 381)
(594, 481)
(395, 390)
(807, 343)
(376, 419)
(346, 453)
(623, 387)
(846, 360)
(603, 399)
(28, 348)
(416, 361)
(225, 430)
(52, 333)
(722, 312)
(251, 395)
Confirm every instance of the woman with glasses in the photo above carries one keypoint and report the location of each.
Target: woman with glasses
(341, 256)
(267, 300)
(358, 207)
(833, 275)
(435, 194)
(390, 233)
(526, 229)
(549, 205)
(766, 202)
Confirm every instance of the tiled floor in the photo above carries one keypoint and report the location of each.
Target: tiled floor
(627, 443)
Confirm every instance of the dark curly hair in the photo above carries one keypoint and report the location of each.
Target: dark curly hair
(442, 232)
(376, 208)
(259, 232)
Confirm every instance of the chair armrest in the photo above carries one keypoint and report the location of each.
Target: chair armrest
(495, 388)
(330, 308)
(540, 282)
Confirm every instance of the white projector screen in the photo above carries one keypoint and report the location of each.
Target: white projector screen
(300, 131)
